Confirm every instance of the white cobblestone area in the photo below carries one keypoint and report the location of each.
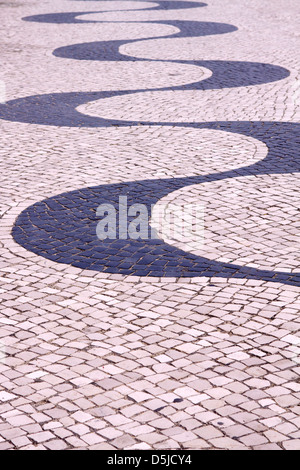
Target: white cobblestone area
(108, 360)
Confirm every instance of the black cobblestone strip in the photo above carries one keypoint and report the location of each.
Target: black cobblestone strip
(63, 228)
(59, 18)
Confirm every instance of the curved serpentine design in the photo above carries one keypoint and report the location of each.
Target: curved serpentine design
(63, 228)
(70, 17)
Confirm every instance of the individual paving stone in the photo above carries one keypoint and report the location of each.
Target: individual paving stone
(123, 441)
(162, 423)
(168, 444)
(292, 444)
(287, 401)
(271, 422)
(252, 440)
(11, 433)
(75, 442)
(41, 436)
(237, 431)
(56, 445)
(92, 439)
(208, 432)
(190, 424)
(267, 447)
(286, 428)
(5, 446)
(195, 444)
(213, 404)
(20, 442)
(110, 433)
(102, 446)
(257, 383)
(184, 437)
(226, 443)
(19, 420)
(152, 438)
(274, 436)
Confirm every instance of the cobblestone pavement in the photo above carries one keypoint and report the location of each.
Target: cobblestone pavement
(150, 344)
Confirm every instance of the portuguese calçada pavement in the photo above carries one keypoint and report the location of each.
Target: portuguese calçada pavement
(150, 342)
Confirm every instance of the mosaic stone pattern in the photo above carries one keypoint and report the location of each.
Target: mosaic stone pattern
(148, 344)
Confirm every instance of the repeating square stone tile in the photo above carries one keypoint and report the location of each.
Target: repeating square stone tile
(56, 445)
(208, 432)
(274, 436)
(42, 436)
(252, 440)
(226, 443)
(291, 444)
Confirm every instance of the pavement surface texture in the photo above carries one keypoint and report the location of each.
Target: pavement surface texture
(150, 343)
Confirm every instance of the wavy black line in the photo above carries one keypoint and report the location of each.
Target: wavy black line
(63, 228)
(70, 17)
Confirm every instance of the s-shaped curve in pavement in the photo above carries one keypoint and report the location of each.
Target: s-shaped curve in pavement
(63, 228)
(71, 17)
